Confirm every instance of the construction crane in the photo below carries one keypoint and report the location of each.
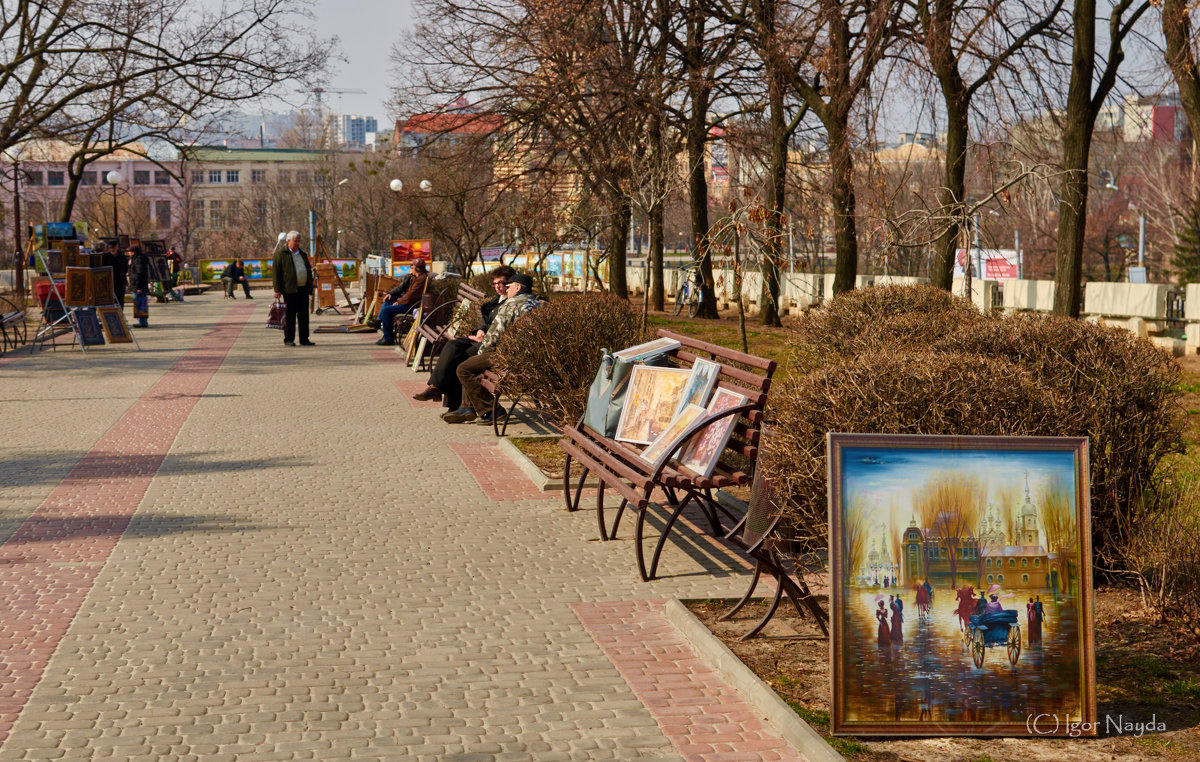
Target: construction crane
(319, 92)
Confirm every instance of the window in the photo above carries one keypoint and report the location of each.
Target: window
(1025, 578)
(1000, 578)
(1037, 562)
(258, 175)
(198, 212)
(303, 177)
(33, 178)
(55, 177)
(285, 176)
(141, 177)
(1024, 562)
(232, 176)
(214, 176)
(1012, 563)
(162, 177)
(87, 178)
(933, 552)
(197, 177)
(216, 215)
(162, 214)
(988, 563)
(990, 580)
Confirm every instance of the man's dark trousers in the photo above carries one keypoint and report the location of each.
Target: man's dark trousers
(297, 312)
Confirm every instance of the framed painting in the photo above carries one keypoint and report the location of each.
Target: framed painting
(90, 332)
(159, 271)
(655, 347)
(684, 418)
(650, 403)
(112, 320)
(703, 452)
(700, 383)
(960, 570)
(101, 287)
(54, 262)
(78, 285)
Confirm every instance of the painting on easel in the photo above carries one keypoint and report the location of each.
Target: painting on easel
(101, 286)
(90, 332)
(78, 281)
(112, 319)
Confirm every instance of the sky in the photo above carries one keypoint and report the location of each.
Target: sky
(367, 30)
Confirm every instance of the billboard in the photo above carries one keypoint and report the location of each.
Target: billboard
(989, 264)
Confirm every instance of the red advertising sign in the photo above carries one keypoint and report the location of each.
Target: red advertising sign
(998, 268)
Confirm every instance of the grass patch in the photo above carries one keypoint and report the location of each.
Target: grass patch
(815, 717)
(544, 452)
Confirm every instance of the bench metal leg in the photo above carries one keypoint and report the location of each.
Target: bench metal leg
(600, 511)
(662, 539)
(745, 598)
(617, 521)
(770, 611)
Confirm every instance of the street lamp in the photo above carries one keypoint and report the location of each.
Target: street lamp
(398, 186)
(114, 179)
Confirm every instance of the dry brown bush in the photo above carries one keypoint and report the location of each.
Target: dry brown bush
(553, 352)
(908, 392)
(1162, 553)
(894, 317)
(1117, 389)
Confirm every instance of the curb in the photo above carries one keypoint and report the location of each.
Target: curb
(764, 700)
(540, 480)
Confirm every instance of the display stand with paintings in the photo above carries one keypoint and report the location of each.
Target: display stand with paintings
(88, 309)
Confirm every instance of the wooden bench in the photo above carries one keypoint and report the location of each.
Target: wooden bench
(619, 467)
(13, 331)
(436, 324)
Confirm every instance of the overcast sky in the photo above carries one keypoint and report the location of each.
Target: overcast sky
(367, 30)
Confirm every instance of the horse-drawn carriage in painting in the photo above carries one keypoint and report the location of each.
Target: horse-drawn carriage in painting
(993, 630)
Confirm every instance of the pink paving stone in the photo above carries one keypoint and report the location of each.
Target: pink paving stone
(41, 599)
(635, 639)
(495, 473)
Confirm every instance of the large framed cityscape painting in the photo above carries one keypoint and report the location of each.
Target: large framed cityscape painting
(960, 572)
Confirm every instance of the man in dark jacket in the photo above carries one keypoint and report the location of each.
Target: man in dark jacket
(113, 257)
(401, 299)
(139, 273)
(293, 282)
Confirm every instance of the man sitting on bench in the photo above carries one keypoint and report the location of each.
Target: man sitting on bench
(443, 381)
(520, 300)
(401, 299)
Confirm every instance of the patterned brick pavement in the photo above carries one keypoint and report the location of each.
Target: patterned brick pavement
(50, 563)
(706, 719)
(311, 572)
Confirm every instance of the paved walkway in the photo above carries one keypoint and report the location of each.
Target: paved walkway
(221, 548)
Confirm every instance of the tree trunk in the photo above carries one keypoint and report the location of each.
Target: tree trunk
(1078, 123)
(950, 197)
(1177, 29)
(618, 242)
(697, 138)
(845, 235)
(776, 192)
(657, 287)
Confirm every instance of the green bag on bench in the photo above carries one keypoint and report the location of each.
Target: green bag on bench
(606, 396)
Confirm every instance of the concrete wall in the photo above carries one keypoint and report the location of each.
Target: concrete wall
(1028, 295)
(1126, 300)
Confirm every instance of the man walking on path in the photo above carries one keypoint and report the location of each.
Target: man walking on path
(293, 278)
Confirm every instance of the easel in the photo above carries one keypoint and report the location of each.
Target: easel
(336, 275)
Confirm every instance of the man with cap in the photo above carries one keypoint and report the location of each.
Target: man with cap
(401, 299)
(519, 300)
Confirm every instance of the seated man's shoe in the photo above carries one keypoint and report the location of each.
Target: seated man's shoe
(249, 297)
(431, 394)
(307, 343)
(385, 342)
(289, 343)
(486, 417)
(462, 415)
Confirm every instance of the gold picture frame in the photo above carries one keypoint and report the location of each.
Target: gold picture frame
(78, 287)
(112, 320)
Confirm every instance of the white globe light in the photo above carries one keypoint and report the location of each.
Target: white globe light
(282, 236)
(426, 186)
(113, 178)
(396, 185)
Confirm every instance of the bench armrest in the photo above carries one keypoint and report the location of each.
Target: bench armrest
(657, 469)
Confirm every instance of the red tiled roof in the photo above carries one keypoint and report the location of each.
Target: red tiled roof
(471, 124)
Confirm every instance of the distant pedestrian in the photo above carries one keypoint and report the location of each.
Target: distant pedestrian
(139, 274)
(293, 282)
(113, 257)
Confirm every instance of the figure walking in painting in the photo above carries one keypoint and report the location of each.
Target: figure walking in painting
(928, 591)
(897, 628)
(885, 635)
(1035, 622)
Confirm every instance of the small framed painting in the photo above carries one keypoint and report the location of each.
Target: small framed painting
(703, 452)
(686, 417)
(961, 586)
(112, 320)
(700, 383)
(101, 287)
(90, 332)
(654, 347)
(650, 403)
(78, 285)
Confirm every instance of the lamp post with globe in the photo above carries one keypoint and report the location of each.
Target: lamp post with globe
(114, 178)
(398, 186)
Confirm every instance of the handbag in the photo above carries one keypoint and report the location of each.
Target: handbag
(276, 316)
(141, 305)
(606, 396)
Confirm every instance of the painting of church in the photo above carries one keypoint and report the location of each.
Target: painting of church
(987, 558)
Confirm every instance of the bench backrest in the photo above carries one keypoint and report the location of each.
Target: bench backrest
(742, 373)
